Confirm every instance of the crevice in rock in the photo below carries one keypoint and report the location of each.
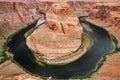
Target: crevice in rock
(62, 28)
(17, 11)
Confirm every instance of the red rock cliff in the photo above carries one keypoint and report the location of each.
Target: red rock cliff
(107, 16)
(14, 15)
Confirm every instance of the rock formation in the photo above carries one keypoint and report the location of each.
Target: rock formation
(111, 68)
(10, 71)
(14, 16)
(81, 8)
(62, 21)
(10, 21)
(107, 16)
(60, 36)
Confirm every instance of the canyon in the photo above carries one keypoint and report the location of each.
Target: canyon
(15, 15)
(108, 17)
(64, 34)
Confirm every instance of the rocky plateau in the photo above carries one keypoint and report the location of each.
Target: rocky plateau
(64, 36)
(16, 14)
(107, 16)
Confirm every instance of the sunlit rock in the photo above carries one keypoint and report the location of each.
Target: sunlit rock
(107, 16)
(56, 41)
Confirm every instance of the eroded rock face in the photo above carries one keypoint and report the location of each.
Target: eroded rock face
(81, 8)
(59, 36)
(61, 19)
(107, 16)
(14, 16)
(10, 71)
(111, 68)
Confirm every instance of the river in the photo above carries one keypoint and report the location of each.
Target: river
(102, 45)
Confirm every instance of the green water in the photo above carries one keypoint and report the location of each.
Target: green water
(102, 45)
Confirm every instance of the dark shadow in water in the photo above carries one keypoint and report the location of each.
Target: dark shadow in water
(102, 45)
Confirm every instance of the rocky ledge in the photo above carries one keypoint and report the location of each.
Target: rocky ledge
(107, 16)
(55, 41)
(111, 68)
(10, 71)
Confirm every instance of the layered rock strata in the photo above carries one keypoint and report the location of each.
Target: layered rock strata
(60, 36)
(14, 16)
(107, 16)
(10, 71)
(111, 68)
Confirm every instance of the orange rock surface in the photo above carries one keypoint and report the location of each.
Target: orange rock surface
(111, 68)
(14, 15)
(10, 71)
(61, 35)
(61, 19)
(107, 16)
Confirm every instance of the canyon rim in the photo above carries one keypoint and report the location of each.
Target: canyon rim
(15, 14)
